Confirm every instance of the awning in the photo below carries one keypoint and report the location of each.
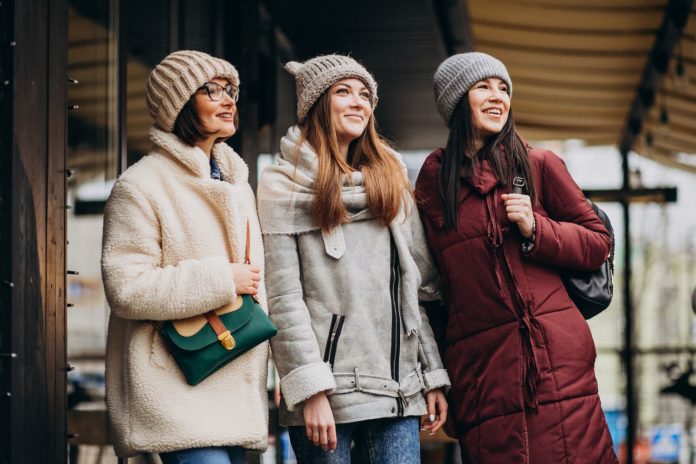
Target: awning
(575, 64)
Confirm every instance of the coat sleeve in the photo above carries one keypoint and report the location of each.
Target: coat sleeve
(429, 295)
(573, 236)
(137, 286)
(295, 349)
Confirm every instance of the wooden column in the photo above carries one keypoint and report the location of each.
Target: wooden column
(6, 102)
(37, 233)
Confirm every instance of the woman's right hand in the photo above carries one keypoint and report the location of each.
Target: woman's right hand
(319, 420)
(246, 278)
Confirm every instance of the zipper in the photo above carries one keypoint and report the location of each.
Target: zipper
(394, 284)
(332, 340)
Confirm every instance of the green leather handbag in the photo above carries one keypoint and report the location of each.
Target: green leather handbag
(203, 344)
(204, 352)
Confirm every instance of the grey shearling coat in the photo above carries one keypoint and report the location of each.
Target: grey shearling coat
(310, 294)
(346, 303)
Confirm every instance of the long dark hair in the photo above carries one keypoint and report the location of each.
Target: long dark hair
(505, 151)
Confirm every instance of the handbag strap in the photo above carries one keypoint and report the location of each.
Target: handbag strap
(224, 335)
(247, 253)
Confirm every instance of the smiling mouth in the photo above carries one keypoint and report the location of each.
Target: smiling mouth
(494, 111)
(356, 116)
(225, 116)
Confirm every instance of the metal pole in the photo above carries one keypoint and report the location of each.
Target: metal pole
(628, 348)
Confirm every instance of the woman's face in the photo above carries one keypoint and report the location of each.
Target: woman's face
(217, 117)
(350, 109)
(490, 106)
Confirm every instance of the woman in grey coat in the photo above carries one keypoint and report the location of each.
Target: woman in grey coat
(346, 267)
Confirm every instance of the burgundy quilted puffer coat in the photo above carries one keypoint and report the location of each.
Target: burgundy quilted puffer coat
(519, 353)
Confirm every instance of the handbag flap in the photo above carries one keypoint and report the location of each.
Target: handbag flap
(191, 325)
(194, 333)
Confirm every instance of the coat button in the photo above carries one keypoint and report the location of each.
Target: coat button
(393, 409)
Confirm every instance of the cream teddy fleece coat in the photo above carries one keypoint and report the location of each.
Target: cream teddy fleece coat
(170, 232)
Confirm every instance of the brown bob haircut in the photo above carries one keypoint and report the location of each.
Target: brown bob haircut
(384, 179)
(189, 128)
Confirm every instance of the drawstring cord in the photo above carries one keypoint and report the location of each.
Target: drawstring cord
(495, 241)
(527, 322)
(495, 233)
(531, 370)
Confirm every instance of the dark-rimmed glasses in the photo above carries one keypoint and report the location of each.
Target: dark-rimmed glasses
(215, 91)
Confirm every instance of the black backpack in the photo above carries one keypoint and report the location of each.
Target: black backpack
(592, 291)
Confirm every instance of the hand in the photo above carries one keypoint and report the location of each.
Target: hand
(519, 211)
(319, 420)
(437, 410)
(246, 278)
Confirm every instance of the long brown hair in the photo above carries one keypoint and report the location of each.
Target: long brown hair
(384, 180)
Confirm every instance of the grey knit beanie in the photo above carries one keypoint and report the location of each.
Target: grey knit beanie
(177, 77)
(455, 76)
(314, 76)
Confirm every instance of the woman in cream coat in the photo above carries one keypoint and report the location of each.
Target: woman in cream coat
(174, 229)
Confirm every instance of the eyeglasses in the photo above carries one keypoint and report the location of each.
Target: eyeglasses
(215, 91)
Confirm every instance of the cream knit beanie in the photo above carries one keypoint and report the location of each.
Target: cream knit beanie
(177, 77)
(314, 76)
(455, 76)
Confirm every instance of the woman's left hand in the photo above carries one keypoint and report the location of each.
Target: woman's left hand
(437, 410)
(519, 210)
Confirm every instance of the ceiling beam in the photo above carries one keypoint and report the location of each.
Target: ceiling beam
(666, 38)
(455, 25)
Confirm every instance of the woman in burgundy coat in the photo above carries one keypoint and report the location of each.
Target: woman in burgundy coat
(519, 353)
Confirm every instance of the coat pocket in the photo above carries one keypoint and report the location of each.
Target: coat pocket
(159, 354)
(332, 340)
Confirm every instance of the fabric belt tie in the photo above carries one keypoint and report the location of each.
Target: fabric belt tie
(348, 382)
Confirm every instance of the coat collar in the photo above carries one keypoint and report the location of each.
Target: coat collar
(483, 179)
(482, 182)
(232, 167)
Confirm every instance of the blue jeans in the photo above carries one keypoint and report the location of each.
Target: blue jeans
(219, 455)
(379, 441)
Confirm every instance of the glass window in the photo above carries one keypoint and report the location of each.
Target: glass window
(92, 155)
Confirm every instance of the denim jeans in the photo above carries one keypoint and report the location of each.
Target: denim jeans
(219, 455)
(379, 441)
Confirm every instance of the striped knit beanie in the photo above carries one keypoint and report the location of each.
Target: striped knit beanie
(458, 73)
(177, 77)
(314, 76)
